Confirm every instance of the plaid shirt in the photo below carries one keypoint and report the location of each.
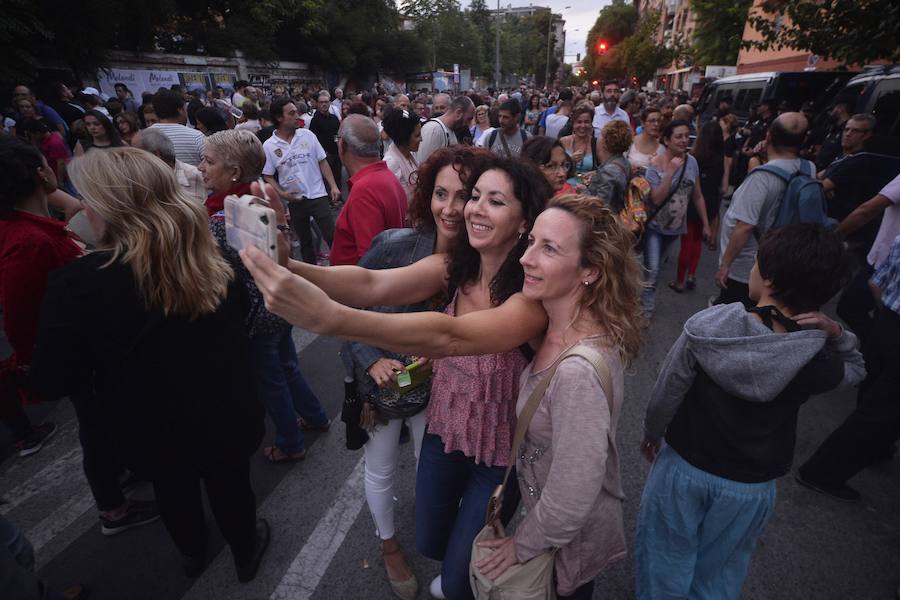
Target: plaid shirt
(887, 278)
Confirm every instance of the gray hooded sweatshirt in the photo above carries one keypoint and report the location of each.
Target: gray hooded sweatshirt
(728, 393)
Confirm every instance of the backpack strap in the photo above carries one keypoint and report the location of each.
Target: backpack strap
(524, 135)
(443, 128)
(492, 139)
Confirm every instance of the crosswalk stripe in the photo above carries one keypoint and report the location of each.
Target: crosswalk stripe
(307, 569)
(58, 521)
(65, 469)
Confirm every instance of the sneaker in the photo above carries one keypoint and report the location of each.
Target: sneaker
(842, 492)
(35, 440)
(435, 588)
(139, 512)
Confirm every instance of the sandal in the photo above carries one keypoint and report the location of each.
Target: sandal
(690, 283)
(276, 455)
(406, 589)
(676, 288)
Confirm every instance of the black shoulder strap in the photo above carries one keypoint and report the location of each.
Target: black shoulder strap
(768, 314)
(524, 135)
(492, 139)
(593, 152)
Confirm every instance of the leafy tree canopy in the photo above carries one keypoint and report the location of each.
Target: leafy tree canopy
(719, 30)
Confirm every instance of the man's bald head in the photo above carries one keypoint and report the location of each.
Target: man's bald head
(440, 104)
(359, 135)
(685, 112)
(403, 101)
(787, 133)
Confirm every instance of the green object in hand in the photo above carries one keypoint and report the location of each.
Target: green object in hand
(409, 378)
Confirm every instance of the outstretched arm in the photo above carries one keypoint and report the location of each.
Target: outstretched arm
(431, 334)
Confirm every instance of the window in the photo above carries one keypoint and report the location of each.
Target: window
(887, 106)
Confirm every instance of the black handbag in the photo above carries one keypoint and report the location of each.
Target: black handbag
(351, 413)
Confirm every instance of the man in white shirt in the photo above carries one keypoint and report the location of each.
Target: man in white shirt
(439, 133)
(609, 110)
(336, 104)
(299, 162)
(169, 108)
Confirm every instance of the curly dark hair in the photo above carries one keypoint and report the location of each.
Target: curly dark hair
(531, 188)
(462, 158)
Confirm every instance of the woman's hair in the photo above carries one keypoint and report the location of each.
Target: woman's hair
(130, 118)
(531, 188)
(462, 158)
(649, 111)
(806, 264)
(239, 148)
(153, 227)
(669, 129)
(19, 162)
(614, 300)
(112, 134)
(616, 137)
(250, 109)
(710, 145)
(582, 109)
(400, 124)
(211, 119)
(730, 121)
(534, 102)
(483, 108)
(357, 107)
(539, 148)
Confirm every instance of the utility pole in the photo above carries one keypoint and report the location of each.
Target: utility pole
(497, 50)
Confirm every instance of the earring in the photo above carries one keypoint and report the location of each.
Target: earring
(234, 179)
(586, 282)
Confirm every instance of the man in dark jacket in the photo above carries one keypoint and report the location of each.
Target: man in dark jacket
(325, 126)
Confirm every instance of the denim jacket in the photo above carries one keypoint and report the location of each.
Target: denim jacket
(611, 181)
(390, 249)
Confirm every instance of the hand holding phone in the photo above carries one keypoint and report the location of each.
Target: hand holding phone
(249, 224)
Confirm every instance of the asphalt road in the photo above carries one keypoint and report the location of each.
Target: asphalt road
(324, 544)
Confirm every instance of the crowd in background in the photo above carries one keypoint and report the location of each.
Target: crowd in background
(492, 236)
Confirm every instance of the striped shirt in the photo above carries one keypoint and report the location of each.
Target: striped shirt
(887, 278)
(188, 142)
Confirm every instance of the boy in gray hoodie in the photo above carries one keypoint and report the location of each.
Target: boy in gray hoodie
(726, 401)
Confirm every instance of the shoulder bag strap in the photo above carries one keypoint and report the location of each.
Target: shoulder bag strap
(672, 191)
(505, 146)
(534, 400)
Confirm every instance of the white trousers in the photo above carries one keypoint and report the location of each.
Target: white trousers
(382, 454)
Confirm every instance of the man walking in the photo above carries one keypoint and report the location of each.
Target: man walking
(324, 125)
(299, 161)
(507, 141)
(376, 201)
(439, 133)
(609, 110)
(754, 207)
(169, 108)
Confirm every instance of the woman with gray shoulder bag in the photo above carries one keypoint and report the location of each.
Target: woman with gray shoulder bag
(581, 267)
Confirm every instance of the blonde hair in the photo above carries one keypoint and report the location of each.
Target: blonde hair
(153, 227)
(614, 300)
(239, 148)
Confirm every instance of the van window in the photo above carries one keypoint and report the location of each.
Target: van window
(753, 96)
(887, 106)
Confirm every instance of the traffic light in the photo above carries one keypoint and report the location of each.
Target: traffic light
(601, 47)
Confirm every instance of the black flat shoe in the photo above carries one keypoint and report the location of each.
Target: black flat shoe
(247, 572)
(842, 493)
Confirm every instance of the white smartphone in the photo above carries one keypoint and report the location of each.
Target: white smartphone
(248, 224)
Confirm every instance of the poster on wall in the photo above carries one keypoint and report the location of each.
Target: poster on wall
(138, 81)
(195, 81)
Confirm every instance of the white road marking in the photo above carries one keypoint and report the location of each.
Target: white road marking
(58, 521)
(303, 576)
(65, 469)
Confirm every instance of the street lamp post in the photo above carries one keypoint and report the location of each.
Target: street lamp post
(549, 31)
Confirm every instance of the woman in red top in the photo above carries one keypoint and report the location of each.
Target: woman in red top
(31, 245)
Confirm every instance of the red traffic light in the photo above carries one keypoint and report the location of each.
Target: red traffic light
(601, 47)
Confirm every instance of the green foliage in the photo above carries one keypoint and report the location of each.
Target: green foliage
(719, 30)
(616, 22)
(850, 31)
(640, 52)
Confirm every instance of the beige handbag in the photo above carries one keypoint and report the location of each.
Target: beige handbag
(534, 579)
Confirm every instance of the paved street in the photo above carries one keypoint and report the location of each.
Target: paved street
(324, 545)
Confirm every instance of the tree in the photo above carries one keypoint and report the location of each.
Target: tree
(615, 22)
(641, 55)
(719, 30)
(850, 31)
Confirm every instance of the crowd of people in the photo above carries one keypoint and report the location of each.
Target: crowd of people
(493, 269)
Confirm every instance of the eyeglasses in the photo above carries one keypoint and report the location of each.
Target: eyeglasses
(552, 166)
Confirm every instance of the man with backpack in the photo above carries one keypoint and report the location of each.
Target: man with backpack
(782, 191)
(440, 132)
(508, 139)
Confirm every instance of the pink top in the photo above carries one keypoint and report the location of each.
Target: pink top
(473, 403)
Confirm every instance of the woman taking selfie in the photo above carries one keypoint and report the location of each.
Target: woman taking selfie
(471, 415)
(580, 267)
(154, 321)
(581, 146)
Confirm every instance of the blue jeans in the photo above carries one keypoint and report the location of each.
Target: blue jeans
(655, 246)
(452, 493)
(282, 389)
(696, 531)
(17, 577)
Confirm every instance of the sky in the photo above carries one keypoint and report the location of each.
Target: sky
(579, 18)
